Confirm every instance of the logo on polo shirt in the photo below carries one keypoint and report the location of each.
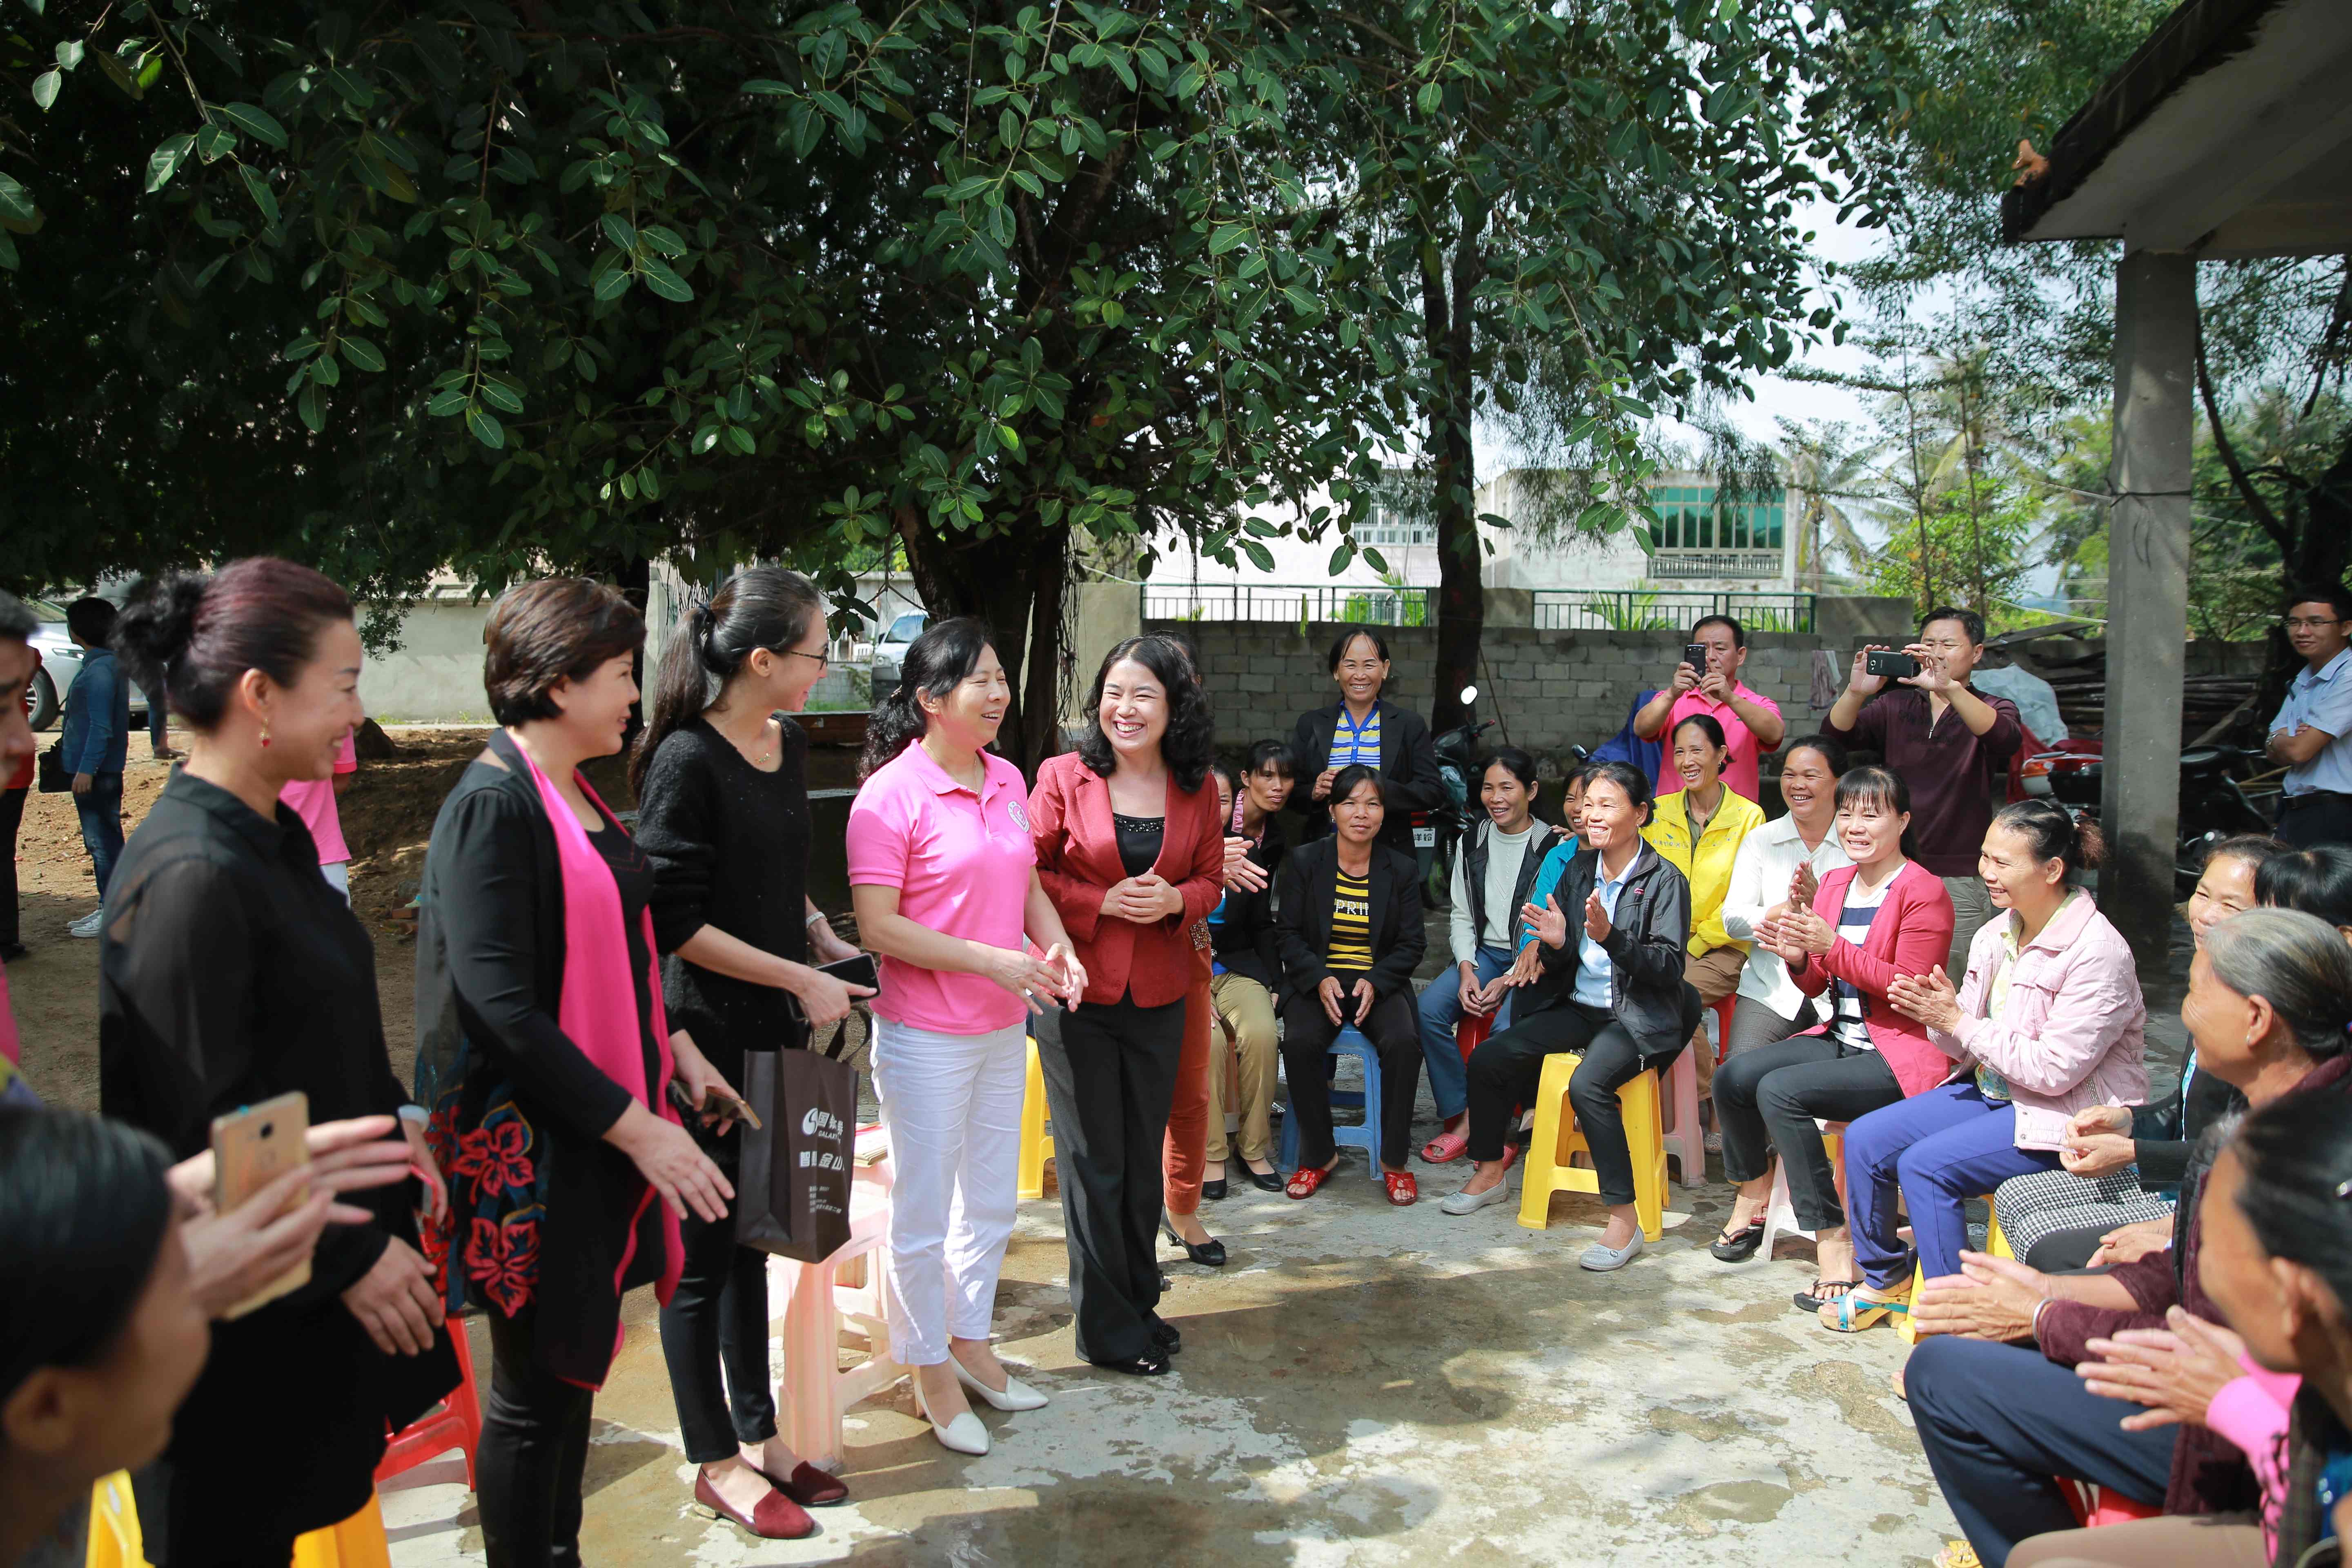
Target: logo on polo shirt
(1018, 813)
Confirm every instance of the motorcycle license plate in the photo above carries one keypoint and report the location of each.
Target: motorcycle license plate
(1424, 838)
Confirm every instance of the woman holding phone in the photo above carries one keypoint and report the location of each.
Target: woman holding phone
(945, 881)
(230, 974)
(545, 1053)
(722, 795)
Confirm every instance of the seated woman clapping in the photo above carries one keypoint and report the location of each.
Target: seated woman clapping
(1864, 923)
(1604, 979)
(1349, 924)
(2048, 1022)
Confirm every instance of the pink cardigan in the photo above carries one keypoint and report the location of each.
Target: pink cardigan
(2073, 1032)
(1912, 934)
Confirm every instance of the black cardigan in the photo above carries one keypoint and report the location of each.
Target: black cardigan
(489, 985)
(231, 972)
(1244, 940)
(1408, 769)
(1646, 942)
(1304, 918)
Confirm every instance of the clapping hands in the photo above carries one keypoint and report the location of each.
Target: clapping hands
(1928, 997)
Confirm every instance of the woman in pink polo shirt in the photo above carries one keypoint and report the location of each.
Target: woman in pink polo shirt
(314, 801)
(944, 879)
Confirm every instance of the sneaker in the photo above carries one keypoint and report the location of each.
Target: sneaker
(88, 924)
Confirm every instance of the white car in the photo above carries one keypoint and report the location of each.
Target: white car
(891, 646)
(60, 662)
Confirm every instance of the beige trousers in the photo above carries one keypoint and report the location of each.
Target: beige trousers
(1716, 973)
(2214, 1541)
(1243, 1008)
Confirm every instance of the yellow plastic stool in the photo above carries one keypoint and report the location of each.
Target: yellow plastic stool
(116, 1541)
(1996, 1243)
(1036, 1144)
(1557, 1137)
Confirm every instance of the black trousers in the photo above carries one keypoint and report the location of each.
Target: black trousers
(1769, 1098)
(2307, 820)
(1394, 1028)
(1110, 1079)
(717, 1320)
(533, 1455)
(12, 813)
(1999, 1421)
(1506, 1069)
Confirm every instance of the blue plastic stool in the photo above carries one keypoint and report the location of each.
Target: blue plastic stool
(1349, 1041)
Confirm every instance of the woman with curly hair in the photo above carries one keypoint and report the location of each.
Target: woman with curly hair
(1130, 852)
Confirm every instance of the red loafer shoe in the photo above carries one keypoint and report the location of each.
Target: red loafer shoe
(808, 1485)
(777, 1517)
(1304, 1181)
(1402, 1188)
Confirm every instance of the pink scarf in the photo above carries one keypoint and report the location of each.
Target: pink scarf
(599, 1009)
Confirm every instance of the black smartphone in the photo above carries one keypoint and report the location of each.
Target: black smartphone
(858, 971)
(1881, 661)
(721, 1108)
(1694, 655)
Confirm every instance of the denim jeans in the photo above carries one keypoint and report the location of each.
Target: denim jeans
(1441, 1009)
(100, 810)
(1938, 1149)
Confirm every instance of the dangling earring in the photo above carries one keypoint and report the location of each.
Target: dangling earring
(264, 735)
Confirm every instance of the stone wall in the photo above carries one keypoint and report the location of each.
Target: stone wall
(1549, 688)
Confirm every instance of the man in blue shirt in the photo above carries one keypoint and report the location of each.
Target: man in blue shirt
(2313, 732)
(95, 744)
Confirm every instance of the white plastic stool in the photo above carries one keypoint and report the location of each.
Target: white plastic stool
(813, 1391)
(1685, 1136)
(1780, 1212)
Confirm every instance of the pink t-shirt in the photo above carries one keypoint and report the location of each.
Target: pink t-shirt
(961, 866)
(314, 801)
(1741, 773)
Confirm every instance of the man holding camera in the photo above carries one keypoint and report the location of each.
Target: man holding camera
(1707, 681)
(1948, 743)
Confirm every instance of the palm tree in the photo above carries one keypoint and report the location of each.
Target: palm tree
(1829, 466)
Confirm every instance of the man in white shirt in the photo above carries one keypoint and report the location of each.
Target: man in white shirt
(2313, 732)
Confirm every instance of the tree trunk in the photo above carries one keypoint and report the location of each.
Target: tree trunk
(1000, 580)
(1461, 597)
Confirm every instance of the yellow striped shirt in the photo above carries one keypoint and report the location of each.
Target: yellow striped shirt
(1352, 924)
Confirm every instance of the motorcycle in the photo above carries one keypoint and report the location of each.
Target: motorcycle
(1437, 833)
(2212, 804)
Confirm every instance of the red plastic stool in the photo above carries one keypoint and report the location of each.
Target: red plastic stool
(1471, 1032)
(1723, 1011)
(457, 1423)
(2094, 1506)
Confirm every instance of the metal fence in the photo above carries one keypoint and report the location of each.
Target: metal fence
(1290, 603)
(1715, 563)
(1648, 610)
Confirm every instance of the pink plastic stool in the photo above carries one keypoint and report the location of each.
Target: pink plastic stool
(814, 1391)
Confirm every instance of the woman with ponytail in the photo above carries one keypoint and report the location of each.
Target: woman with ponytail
(723, 799)
(945, 881)
(231, 972)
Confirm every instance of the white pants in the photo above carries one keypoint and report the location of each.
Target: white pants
(338, 876)
(952, 1105)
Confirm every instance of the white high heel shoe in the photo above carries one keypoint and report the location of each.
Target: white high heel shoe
(1017, 1395)
(964, 1435)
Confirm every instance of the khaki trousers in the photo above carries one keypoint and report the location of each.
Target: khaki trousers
(1242, 1006)
(1716, 973)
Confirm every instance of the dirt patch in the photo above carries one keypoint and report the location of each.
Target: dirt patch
(387, 815)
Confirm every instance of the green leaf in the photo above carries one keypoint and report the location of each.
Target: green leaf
(1260, 556)
(312, 407)
(665, 240)
(45, 87)
(613, 284)
(1228, 238)
(7, 253)
(69, 55)
(1432, 96)
(257, 185)
(498, 394)
(764, 87)
(353, 90)
(255, 122)
(1341, 557)
(362, 354)
(213, 141)
(485, 427)
(620, 232)
(665, 282)
(164, 162)
(119, 75)
(15, 201)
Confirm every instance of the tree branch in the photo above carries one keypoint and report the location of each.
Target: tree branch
(2239, 478)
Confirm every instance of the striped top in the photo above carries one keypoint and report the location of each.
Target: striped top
(1351, 925)
(1352, 743)
(1849, 1025)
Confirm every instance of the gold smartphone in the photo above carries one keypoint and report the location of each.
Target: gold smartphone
(252, 1147)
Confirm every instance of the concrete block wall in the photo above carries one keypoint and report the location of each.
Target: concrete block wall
(1551, 689)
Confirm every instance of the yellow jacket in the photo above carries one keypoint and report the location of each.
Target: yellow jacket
(1707, 867)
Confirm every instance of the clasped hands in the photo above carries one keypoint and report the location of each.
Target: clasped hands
(1142, 899)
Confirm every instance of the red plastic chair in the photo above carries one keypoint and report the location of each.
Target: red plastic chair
(455, 1422)
(1723, 1011)
(1471, 1032)
(2094, 1506)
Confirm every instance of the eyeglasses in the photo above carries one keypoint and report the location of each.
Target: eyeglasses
(824, 662)
(2320, 623)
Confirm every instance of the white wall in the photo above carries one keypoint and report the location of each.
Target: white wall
(437, 676)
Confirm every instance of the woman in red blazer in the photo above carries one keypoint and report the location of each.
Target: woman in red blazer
(1884, 915)
(1130, 852)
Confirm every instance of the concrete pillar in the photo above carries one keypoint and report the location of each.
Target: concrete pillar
(2147, 595)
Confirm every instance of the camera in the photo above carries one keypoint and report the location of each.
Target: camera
(1879, 662)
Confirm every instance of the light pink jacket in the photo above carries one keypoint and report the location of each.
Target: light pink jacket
(2074, 1030)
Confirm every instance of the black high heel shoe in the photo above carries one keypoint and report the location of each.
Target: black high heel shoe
(1209, 1254)
(1264, 1181)
(1146, 1366)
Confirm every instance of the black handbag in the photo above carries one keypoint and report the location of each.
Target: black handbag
(56, 778)
(791, 1192)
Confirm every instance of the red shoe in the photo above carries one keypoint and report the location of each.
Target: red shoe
(1402, 1188)
(1445, 1148)
(808, 1485)
(777, 1518)
(1304, 1181)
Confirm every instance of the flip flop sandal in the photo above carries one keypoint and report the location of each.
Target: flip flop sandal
(1445, 1148)
(1739, 1245)
(1958, 1554)
(1813, 1300)
(1852, 1314)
